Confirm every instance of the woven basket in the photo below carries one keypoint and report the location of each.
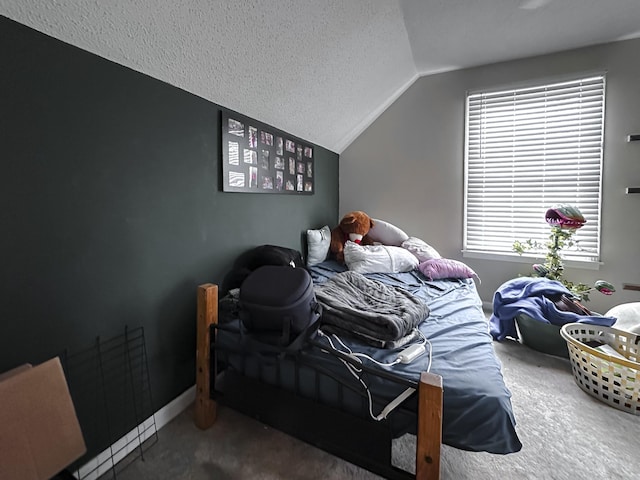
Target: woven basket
(613, 380)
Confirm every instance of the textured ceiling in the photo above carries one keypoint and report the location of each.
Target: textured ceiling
(453, 34)
(319, 69)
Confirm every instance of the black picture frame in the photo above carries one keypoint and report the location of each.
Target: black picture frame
(258, 158)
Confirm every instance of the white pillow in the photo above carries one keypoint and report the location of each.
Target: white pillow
(422, 250)
(627, 315)
(386, 233)
(378, 258)
(318, 243)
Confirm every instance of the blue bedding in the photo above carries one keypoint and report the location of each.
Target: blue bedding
(477, 412)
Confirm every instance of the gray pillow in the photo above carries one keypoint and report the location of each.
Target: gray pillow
(386, 233)
(421, 249)
(318, 243)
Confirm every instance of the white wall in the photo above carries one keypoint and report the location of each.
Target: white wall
(407, 167)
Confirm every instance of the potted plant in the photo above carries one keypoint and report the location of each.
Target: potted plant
(564, 220)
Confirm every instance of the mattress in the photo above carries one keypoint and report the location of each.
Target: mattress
(477, 411)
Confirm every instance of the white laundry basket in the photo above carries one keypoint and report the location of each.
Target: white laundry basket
(610, 378)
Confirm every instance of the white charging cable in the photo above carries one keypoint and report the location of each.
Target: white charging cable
(403, 357)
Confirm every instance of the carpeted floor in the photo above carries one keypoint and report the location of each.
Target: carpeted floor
(566, 434)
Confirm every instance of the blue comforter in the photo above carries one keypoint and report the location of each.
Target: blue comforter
(530, 296)
(477, 412)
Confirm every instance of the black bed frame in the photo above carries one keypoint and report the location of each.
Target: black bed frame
(359, 440)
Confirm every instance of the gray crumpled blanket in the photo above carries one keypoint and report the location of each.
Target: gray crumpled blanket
(381, 315)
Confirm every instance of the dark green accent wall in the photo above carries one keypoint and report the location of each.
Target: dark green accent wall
(111, 209)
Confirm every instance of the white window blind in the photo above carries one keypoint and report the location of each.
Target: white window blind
(526, 150)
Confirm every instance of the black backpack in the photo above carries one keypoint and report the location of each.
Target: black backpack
(256, 257)
(278, 306)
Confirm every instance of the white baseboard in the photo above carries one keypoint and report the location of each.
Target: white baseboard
(175, 407)
(109, 457)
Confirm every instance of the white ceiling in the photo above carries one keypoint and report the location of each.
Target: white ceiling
(319, 69)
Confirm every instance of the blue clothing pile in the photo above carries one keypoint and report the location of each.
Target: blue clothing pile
(530, 296)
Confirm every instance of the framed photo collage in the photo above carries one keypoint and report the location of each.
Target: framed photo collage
(257, 158)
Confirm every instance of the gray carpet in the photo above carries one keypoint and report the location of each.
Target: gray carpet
(566, 434)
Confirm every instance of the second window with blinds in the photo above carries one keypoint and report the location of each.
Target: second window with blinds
(527, 149)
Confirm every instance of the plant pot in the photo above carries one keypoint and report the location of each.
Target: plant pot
(543, 337)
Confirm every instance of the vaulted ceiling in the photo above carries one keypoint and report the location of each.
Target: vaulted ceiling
(319, 69)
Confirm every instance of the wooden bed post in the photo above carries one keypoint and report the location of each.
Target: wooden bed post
(429, 438)
(205, 410)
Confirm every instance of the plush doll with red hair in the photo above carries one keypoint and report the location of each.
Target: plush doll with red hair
(354, 226)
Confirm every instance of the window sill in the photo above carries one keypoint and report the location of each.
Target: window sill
(515, 258)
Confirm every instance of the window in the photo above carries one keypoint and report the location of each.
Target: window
(526, 150)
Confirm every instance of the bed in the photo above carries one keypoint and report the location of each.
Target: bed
(453, 394)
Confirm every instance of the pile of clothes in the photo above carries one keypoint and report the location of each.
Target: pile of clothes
(540, 299)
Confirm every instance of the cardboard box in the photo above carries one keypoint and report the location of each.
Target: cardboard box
(39, 431)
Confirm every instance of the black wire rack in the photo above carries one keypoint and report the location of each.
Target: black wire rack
(111, 391)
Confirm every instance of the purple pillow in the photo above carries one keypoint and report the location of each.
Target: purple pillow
(436, 268)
